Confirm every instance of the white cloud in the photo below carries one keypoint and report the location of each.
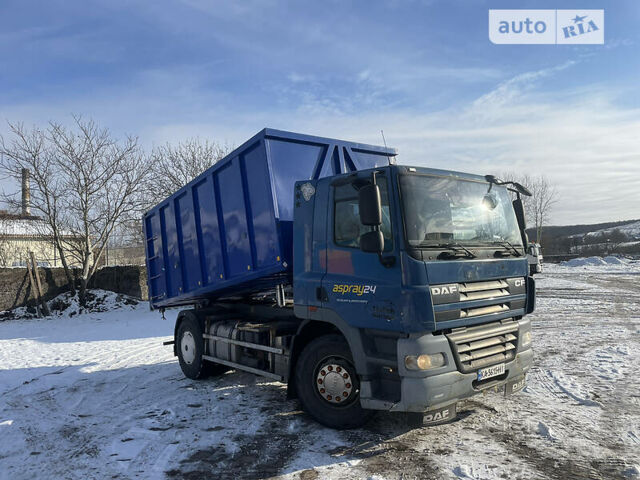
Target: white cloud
(584, 140)
(589, 147)
(515, 87)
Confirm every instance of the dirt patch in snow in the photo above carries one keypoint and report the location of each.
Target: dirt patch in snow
(69, 305)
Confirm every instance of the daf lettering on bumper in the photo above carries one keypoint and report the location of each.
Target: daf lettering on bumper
(440, 416)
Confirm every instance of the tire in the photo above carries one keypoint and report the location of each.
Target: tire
(338, 406)
(190, 348)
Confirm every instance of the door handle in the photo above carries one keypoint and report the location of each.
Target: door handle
(321, 294)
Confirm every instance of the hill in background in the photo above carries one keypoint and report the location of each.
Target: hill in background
(592, 239)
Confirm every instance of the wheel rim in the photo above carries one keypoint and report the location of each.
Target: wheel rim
(188, 348)
(335, 381)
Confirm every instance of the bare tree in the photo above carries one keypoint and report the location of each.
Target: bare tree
(544, 198)
(173, 166)
(86, 184)
(104, 181)
(31, 149)
(539, 206)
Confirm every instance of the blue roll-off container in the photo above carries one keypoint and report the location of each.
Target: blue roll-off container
(230, 230)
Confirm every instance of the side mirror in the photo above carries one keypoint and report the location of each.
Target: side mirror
(518, 207)
(372, 242)
(370, 205)
(522, 189)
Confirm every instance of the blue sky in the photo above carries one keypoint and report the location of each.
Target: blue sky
(424, 71)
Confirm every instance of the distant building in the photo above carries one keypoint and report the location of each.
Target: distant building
(23, 233)
(123, 255)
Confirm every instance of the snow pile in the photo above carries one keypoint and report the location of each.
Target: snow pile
(611, 260)
(583, 262)
(594, 261)
(595, 264)
(68, 305)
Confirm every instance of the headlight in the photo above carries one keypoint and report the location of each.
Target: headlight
(526, 338)
(424, 362)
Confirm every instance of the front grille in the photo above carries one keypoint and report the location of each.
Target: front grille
(485, 298)
(481, 290)
(484, 345)
(474, 312)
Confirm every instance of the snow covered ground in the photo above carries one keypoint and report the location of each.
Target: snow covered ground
(97, 396)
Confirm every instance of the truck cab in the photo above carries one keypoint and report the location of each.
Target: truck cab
(436, 312)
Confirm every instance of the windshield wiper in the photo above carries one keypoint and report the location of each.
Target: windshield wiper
(509, 246)
(456, 250)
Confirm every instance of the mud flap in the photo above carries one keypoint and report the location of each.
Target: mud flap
(442, 415)
(515, 386)
(434, 417)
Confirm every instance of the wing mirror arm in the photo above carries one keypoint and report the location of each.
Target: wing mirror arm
(370, 209)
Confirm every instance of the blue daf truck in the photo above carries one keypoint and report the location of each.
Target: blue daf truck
(363, 284)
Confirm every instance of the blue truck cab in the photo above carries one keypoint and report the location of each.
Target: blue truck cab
(363, 284)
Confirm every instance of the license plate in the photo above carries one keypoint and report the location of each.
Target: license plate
(489, 372)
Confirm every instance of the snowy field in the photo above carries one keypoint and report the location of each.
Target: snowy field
(98, 396)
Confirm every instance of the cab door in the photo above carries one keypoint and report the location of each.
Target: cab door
(357, 285)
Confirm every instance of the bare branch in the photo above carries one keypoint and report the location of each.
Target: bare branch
(173, 166)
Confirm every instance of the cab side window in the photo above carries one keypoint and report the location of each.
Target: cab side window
(346, 217)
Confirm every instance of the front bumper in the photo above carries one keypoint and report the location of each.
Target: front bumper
(430, 390)
(423, 394)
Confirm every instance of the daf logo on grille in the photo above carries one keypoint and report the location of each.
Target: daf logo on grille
(444, 290)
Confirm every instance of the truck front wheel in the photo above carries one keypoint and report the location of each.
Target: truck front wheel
(327, 384)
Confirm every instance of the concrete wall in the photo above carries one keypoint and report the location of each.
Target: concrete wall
(128, 279)
(15, 290)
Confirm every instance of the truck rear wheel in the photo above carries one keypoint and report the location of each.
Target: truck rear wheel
(327, 384)
(190, 348)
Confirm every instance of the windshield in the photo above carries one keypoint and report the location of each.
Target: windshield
(441, 210)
